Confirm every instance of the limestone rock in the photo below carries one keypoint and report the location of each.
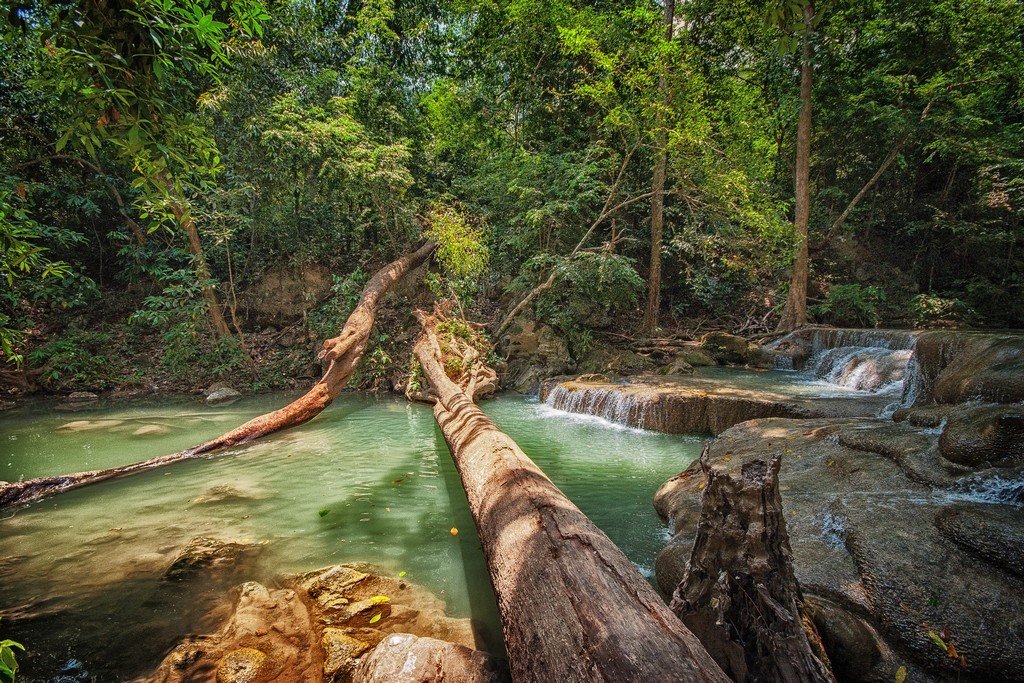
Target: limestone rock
(82, 397)
(535, 353)
(222, 396)
(243, 665)
(991, 435)
(405, 658)
(727, 348)
(317, 628)
(208, 553)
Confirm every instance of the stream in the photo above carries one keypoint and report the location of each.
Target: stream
(370, 480)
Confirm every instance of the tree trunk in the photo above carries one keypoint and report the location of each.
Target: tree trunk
(342, 352)
(653, 308)
(573, 608)
(886, 163)
(195, 247)
(739, 594)
(795, 313)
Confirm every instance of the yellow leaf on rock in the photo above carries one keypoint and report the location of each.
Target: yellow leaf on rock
(379, 599)
(901, 674)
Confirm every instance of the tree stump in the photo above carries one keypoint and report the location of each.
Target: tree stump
(739, 594)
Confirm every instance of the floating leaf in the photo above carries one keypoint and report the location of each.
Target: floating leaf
(324, 512)
(401, 574)
(375, 618)
(454, 532)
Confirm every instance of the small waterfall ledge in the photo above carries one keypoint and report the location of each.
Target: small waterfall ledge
(692, 404)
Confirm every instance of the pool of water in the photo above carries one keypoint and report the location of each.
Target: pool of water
(370, 480)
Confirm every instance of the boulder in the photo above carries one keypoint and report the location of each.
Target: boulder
(608, 359)
(695, 356)
(405, 658)
(82, 397)
(222, 396)
(677, 367)
(727, 348)
(536, 352)
(977, 436)
(320, 626)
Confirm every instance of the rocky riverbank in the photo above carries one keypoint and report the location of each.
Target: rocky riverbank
(903, 498)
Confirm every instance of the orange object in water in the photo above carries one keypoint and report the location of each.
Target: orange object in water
(454, 532)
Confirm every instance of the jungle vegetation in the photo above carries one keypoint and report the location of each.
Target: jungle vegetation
(761, 164)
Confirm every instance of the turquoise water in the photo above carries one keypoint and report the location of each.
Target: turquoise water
(80, 573)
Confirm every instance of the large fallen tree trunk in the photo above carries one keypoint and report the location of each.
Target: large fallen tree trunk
(342, 353)
(573, 607)
(739, 594)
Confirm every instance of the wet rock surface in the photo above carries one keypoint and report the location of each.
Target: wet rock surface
(902, 562)
(340, 623)
(222, 396)
(204, 553)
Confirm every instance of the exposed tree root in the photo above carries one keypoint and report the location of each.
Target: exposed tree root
(739, 593)
(573, 607)
(342, 353)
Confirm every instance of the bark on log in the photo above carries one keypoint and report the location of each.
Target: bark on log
(739, 594)
(573, 608)
(342, 352)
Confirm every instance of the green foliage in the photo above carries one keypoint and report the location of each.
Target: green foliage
(851, 305)
(77, 358)
(328, 319)
(8, 661)
(590, 286)
(933, 310)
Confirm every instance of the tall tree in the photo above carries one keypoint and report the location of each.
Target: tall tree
(795, 313)
(658, 188)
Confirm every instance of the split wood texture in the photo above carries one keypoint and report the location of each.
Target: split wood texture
(342, 353)
(573, 607)
(739, 594)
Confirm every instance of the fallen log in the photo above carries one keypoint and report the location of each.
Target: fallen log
(573, 607)
(342, 354)
(739, 594)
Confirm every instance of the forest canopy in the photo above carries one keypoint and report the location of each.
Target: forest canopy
(160, 159)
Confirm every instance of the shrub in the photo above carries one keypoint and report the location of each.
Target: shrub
(932, 310)
(851, 305)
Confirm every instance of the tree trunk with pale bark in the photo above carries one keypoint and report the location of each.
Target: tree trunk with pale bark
(794, 315)
(342, 354)
(573, 607)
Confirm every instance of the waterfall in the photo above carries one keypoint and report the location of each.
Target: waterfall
(873, 368)
(611, 403)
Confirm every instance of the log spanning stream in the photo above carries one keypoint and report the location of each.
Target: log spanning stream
(369, 481)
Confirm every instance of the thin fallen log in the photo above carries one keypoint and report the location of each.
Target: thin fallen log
(342, 353)
(573, 608)
(739, 594)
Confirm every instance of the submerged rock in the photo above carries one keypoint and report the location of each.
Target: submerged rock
(222, 396)
(209, 553)
(890, 547)
(151, 430)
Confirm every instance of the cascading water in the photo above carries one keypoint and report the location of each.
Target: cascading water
(874, 369)
(610, 404)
